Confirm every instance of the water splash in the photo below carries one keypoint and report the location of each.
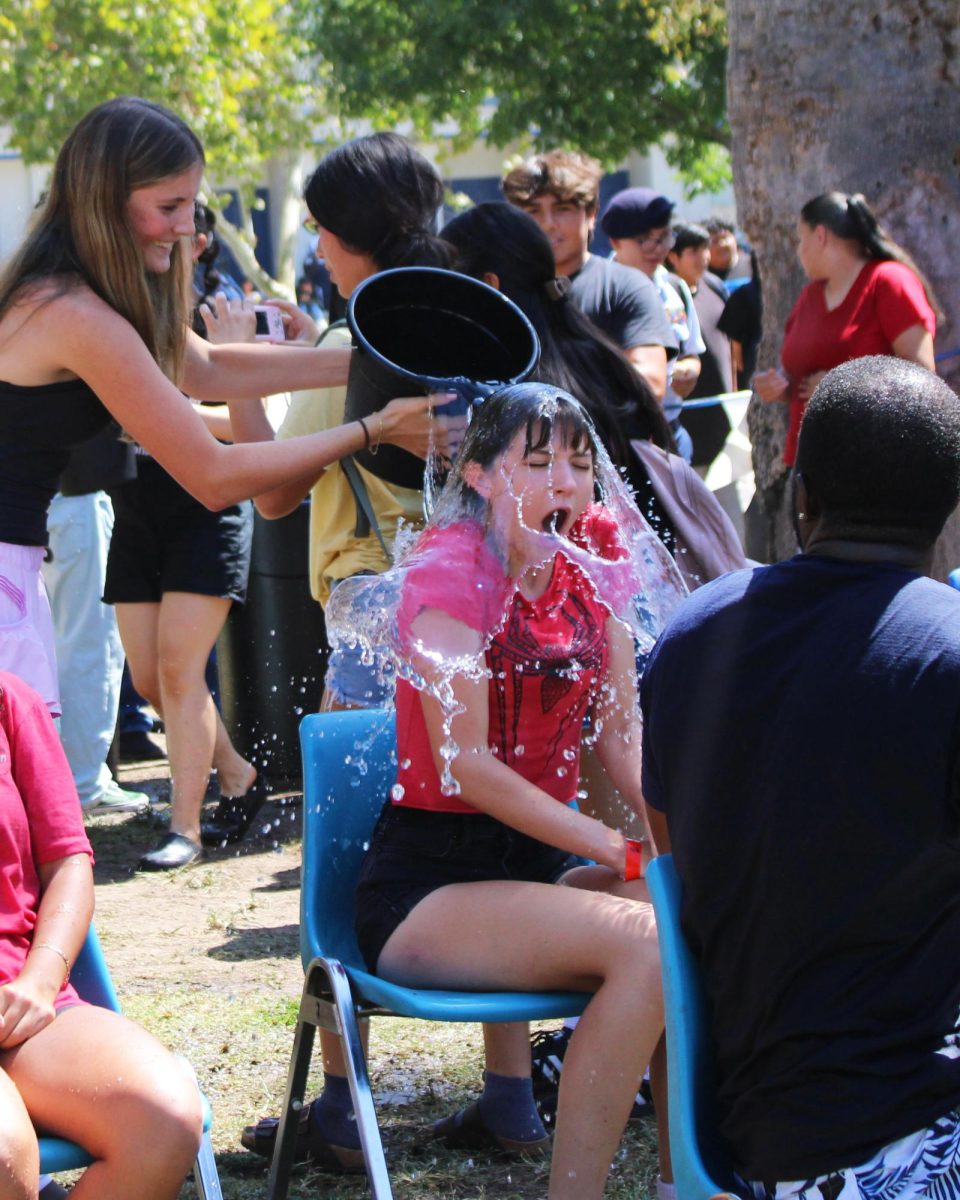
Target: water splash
(481, 555)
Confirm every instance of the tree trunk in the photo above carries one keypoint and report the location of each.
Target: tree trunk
(859, 96)
(285, 173)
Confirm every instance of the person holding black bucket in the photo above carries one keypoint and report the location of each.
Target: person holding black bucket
(372, 203)
(505, 247)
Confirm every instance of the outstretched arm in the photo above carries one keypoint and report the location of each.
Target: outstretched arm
(100, 347)
(251, 370)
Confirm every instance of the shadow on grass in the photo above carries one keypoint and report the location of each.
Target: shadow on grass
(119, 840)
(281, 941)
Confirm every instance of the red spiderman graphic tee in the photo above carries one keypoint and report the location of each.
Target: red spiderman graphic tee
(547, 658)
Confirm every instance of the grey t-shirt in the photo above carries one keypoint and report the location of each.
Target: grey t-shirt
(623, 302)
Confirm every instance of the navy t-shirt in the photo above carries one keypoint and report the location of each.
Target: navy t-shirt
(801, 737)
(622, 302)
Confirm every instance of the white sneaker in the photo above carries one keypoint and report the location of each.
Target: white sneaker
(114, 798)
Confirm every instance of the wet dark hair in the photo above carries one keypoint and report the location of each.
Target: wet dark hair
(880, 449)
(686, 235)
(851, 218)
(537, 410)
(574, 355)
(380, 197)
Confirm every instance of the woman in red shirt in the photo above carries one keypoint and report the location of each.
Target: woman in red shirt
(865, 296)
(70, 1068)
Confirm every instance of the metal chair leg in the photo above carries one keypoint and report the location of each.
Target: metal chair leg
(327, 1003)
(284, 1148)
(367, 1125)
(205, 1174)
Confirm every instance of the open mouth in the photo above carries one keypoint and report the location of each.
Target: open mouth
(554, 521)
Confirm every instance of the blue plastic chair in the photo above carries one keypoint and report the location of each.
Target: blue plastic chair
(700, 1157)
(349, 767)
(91, 978)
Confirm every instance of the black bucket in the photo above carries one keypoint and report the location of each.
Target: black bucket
(422, 329)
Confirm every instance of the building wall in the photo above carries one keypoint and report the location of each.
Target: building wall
(21, 188)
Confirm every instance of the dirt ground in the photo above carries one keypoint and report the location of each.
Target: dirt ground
(229, 922)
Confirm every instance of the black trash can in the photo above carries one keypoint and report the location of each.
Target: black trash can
(272, 652)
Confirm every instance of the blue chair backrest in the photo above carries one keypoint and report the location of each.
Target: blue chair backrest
(349, 767)
(701, 1160)
(90, 975)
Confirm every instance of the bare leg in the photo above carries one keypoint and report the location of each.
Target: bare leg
(188, 627)
(139, 625)
(569, 938)
(236, 775)
(506, 1047)
(19, 1156)
(661, 1105)
(101, 1081)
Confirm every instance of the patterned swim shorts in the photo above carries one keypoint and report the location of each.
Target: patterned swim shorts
(920, 1166)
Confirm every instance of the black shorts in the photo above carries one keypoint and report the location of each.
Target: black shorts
(413, 852)
(166, 541)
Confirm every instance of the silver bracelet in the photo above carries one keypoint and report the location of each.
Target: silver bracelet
(56, 950)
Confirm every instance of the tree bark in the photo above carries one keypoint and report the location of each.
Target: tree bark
(858, 96)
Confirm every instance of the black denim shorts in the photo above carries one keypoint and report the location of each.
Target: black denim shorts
(413, 852)
(166, 541)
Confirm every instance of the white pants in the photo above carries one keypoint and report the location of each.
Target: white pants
(89, 653)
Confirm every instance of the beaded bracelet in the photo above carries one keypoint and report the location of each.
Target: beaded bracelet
(56, 950)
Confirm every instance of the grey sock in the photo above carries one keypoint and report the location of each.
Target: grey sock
(508, 1109)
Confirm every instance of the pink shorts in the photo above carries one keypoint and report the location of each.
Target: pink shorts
(26, 625)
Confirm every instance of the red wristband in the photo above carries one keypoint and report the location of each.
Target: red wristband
(633, 859)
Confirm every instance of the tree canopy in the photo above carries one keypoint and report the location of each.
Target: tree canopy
(257, 79)
(232, 68)
(605, 76)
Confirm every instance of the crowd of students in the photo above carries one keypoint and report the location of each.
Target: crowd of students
(519, 618)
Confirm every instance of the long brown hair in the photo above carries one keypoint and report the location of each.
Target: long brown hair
(79, 233)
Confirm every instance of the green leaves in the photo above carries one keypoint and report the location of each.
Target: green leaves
(232, 68)
(606, 76)
(262, 78)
